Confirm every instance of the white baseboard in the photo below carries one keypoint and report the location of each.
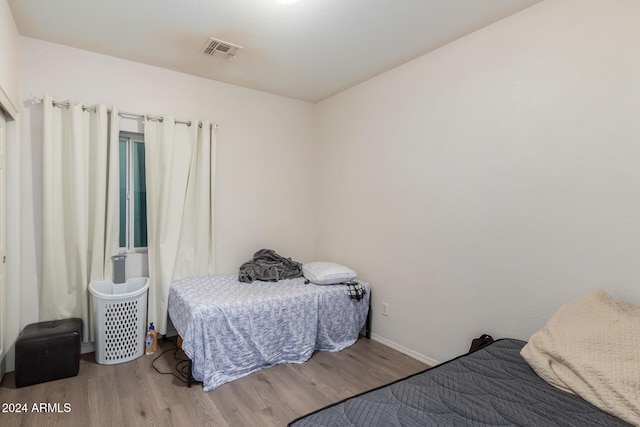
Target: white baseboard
(3, 368)
(402, 349)
(171, 332)
(87, 347)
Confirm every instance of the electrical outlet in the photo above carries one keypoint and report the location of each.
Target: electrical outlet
(385, 309)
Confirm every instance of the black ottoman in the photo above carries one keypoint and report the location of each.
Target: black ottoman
(48, 351)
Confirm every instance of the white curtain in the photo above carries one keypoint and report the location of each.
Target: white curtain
(79, 207)
(180, 174)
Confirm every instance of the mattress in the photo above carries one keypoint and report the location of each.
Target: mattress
(231, 329)
(493, 386)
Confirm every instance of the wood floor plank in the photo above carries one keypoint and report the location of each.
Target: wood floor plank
(136, 394)
(104, 402)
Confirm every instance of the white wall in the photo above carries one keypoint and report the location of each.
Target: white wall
(477, 187)
(9, 73)
(484, 184)
(264, 150)
(9, 87)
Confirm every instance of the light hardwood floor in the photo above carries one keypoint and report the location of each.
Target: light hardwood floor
(134, 394)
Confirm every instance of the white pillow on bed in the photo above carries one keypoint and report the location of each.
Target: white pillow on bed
(327, 273)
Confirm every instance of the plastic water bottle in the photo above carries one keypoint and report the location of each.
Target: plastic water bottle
(148, 343)
(154, 335)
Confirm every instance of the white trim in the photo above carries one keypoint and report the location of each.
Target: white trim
(402, 349)
(87, 347)
(7, 105)
(3, 236)
(14, 245)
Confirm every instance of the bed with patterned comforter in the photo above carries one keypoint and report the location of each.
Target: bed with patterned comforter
(231, 329)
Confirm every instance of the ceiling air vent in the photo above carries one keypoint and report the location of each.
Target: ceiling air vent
(221, 49)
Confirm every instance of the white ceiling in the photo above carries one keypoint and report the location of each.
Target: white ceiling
(308, 50)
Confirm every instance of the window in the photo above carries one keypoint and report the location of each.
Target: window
(133, 192)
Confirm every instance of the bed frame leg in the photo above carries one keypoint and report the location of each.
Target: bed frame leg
(367, 328)
(189, 374)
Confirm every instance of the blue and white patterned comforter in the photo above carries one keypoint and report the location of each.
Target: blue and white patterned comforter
(231, 329)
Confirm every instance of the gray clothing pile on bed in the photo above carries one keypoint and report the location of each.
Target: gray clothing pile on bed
(493, 386)
(268, 266)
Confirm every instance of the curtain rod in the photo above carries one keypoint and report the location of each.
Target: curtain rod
(55, 103)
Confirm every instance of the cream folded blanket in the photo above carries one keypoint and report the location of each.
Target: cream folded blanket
(591, 347)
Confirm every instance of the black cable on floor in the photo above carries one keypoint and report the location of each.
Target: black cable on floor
(181, 366)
